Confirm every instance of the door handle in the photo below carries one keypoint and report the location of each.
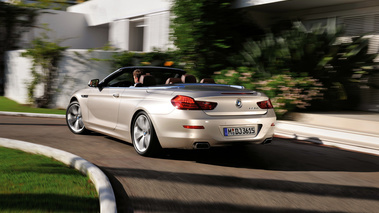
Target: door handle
(116, 95)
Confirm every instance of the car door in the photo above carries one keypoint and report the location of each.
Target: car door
(104, 104)
(103, 107)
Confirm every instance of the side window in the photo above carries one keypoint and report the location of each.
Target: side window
(124, 80)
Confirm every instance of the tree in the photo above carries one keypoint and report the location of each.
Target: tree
(45, 55)
(208, 32)
(47, 4)
(14, 21)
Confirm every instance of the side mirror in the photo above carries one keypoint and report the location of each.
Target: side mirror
(93, 83)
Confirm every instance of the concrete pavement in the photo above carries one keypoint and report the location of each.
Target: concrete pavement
(357, 131)
(353, 131)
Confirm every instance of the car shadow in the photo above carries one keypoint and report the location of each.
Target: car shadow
(281, 154)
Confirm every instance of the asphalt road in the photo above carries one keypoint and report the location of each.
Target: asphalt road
(285, 176)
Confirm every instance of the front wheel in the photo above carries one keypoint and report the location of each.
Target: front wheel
(144, 138)
(74, 118)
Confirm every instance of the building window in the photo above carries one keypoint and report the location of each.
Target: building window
(359, 25)
(362, 25)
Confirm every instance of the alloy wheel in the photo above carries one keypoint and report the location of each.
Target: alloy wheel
(74, 118)
(142, 133)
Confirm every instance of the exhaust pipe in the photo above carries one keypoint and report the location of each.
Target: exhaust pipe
(201, 145)
(267, 141)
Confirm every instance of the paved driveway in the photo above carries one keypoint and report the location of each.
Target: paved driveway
(285, 176)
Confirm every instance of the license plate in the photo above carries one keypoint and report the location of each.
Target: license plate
(236, 131)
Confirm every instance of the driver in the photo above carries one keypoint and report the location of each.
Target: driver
(136, 75)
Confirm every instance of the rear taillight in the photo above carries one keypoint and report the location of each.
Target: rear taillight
(265, 104)
(205, 105)
(188, 103)
(184, 102)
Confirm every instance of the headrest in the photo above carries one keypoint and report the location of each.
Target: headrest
(207, 81)
(188, 79)
(147, 80)
(173, 80)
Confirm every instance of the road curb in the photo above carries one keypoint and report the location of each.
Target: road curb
(350, 140)
(38, 115)
(100, 180)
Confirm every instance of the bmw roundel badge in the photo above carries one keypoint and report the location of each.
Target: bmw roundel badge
(239, 103)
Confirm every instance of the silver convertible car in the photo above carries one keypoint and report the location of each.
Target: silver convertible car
(169, 109)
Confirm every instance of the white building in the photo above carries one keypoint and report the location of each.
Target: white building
(132, 25)
(145, 24)
(357, 16)
(126, 24)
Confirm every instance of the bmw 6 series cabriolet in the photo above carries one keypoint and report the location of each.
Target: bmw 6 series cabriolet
(170, 109)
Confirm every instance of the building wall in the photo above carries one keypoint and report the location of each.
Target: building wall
(133, 25)
(250, 3)
(158, 31)
(70, 28)
(100, 12)
(128, 25)
(142, 33)
(75, 71)
(119, 34)
(17, 73)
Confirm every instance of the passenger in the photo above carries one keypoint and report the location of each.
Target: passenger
(136, 75)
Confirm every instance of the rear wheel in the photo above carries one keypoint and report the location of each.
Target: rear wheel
(74, 118)
(144, 138)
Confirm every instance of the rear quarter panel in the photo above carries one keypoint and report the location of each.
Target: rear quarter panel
(135, 100)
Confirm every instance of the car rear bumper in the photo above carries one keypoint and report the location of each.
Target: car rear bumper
(172, 133)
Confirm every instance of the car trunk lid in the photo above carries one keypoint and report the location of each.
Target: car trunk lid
(235, 104)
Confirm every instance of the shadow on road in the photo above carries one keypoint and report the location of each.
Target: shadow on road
(368, 193)
(283, 155)
(232, 182)
(280, 155)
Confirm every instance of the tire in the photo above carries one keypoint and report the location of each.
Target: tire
(145, 140)
(74, 118)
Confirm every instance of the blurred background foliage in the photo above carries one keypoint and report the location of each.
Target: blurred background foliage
(300, 68)
(46, 4)
(45, 55)
(296, 67)
(168, 58)
(207, 32)
(14, 21)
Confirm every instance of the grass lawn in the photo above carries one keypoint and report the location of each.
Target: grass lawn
(12, 106)
(35, 183)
